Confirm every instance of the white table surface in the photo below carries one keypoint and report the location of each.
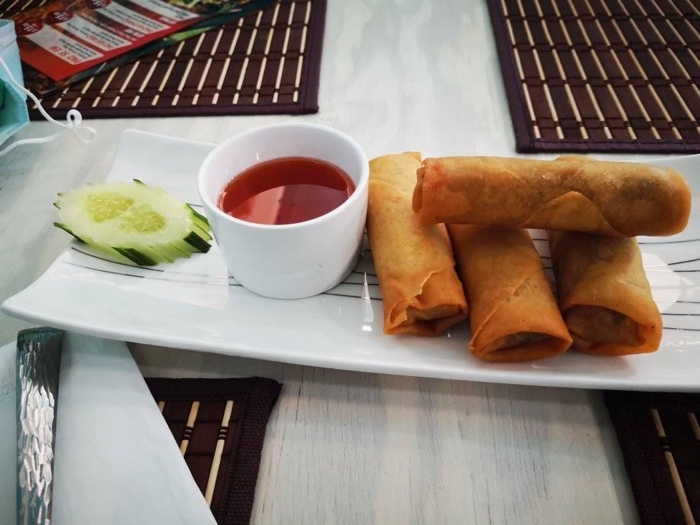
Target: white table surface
(345, 447)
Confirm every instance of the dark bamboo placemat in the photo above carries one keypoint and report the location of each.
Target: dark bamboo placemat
(220, 425)
(660, 441)
(601, 75)
(267, 62)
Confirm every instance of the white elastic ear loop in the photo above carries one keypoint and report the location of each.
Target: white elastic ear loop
(74, 120)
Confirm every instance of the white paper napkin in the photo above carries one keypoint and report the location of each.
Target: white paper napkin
(116, 460)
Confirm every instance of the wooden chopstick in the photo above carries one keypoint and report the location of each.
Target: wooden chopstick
(694, 425)
(216, 462)
(675, 476)
(187, 434)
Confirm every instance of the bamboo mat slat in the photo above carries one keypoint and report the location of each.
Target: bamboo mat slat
(267, 62)
(659, 437)
(599, 75)
(219, 425)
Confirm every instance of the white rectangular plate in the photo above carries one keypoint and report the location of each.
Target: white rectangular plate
(194, 304)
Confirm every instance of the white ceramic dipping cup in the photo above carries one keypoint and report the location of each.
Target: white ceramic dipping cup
(289, 261)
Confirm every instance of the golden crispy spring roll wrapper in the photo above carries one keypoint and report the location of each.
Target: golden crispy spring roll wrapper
(604, 294)
(415, 267)
(514, 315)
(571, 193)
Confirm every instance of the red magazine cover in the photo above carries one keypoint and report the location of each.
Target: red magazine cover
(65, 37)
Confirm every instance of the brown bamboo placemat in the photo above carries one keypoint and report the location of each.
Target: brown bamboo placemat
(660, 441)
(267, 62)
(220, 425)
(601, 75)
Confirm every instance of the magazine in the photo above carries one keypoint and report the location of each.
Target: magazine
(68, 40)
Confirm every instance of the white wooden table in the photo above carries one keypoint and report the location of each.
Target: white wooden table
(346, 447)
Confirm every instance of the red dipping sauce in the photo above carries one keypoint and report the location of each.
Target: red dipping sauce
(286, 191)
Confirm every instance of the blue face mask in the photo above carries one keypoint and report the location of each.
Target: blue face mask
(13, 98)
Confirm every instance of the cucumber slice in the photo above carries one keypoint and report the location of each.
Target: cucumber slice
(133, 222)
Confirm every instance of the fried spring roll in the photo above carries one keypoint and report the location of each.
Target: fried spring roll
(604, 294)
(415, 267)
(514, 316)
(570, 193)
